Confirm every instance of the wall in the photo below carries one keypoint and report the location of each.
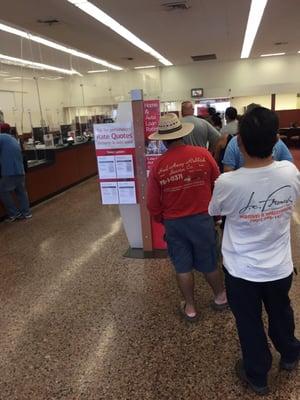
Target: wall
(287, 101)
(241, 102)
(238, 79)
(246, 81)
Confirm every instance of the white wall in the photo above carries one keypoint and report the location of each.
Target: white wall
(243, 78)
(246, 81)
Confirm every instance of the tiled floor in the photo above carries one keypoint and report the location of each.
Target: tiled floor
(79, 321)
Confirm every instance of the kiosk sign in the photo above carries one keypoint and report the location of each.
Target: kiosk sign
(114, 136)
(116, 162)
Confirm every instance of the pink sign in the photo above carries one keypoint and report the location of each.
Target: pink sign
(151, 116)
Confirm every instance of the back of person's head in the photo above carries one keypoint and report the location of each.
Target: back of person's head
(187, 108)
(4, 128)
(231, 113)
(216, 121)
(211, 111)
(258, 131)
(251, 107)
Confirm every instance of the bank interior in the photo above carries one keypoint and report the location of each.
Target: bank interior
(64, 69)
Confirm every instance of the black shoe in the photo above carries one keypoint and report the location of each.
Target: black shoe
(289, 366)
(241, 374)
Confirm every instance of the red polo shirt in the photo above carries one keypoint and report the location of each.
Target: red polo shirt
(181, 182)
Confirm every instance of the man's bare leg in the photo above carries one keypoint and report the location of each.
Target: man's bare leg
(215, 281)
(186, 285)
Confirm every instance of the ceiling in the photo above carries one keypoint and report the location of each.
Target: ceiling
(210, 26)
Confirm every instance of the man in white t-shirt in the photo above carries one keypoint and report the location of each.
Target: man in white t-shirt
(258, 200)
(232, 124)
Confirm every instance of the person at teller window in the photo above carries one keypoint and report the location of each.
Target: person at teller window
(12, 176)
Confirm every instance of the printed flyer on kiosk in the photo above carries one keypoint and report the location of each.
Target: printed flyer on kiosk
(115, 159)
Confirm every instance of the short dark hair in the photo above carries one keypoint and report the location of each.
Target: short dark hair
(258, 131)
(251, 107)
(216, 120)
(231, 113)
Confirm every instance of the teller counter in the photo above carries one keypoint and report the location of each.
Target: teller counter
(57, 169)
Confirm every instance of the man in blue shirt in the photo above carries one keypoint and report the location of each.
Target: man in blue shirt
(12, 176)
(233, 158)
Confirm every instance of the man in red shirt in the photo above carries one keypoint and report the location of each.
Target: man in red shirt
(179, 191)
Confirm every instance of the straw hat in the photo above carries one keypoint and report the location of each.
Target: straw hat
(171, 128)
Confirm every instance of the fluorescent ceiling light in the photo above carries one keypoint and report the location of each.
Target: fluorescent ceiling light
(57, 46)
(255, 15)
(51, 78)
(105, 19)
(145, 66)
(272, 54)
(97, 70)
(12, 77)
(31, 64)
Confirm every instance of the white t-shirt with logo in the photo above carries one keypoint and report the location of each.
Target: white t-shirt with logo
(258, 204)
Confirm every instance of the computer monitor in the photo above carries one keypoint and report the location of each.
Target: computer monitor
(38, 133)
(65, 129)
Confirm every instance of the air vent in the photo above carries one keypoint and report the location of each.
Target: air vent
(49, 21)
(204, 57)
(280, 43)
(176, 5)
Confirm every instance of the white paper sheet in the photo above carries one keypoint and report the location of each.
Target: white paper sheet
(109, 192)
(124, 166)
(127, 193)
(106, 167)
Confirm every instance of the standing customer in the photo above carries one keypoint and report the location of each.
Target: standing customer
(12, 176)
(179, 190)
(203, 134)
(258, 202)
(232, 124)
(233, 158)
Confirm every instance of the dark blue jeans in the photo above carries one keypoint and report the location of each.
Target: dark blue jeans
(9, 184)
(246, 299)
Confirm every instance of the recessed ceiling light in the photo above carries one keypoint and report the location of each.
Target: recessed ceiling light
(272, 54)
(57, 46)
(111, 23)
(97, 70)
(30, 64)
(255, 15)
(145, 66)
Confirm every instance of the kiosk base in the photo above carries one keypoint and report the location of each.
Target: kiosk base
(141, 254)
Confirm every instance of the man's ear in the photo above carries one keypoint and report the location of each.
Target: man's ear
(277, 137)
(239, 140)
(240, 143)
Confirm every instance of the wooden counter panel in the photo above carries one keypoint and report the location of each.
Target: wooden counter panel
(70, 166)
(87, 161)
(40, 182)
(67, 168)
